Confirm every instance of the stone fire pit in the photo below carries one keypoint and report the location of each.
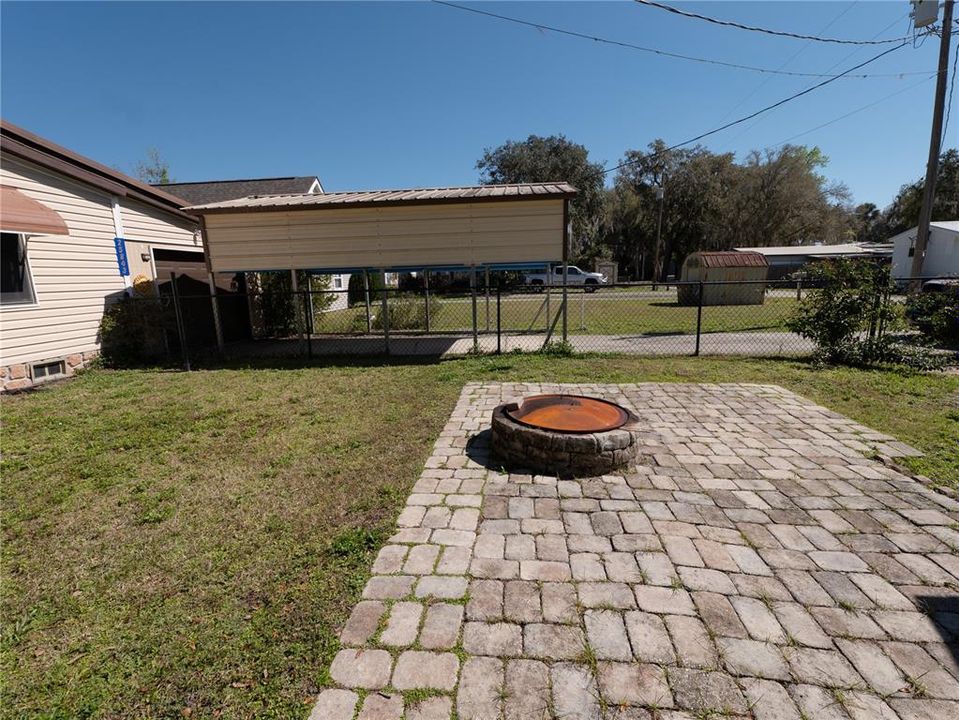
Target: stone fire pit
(565, 435)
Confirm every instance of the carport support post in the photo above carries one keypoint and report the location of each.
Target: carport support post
(487, 298)
(473, 295)
(299, 321)
(217, 325)
(366, 296)
(549, 284)
(426, 288)
(386, 312)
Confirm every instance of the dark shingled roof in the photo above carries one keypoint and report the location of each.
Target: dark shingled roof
(214, 191)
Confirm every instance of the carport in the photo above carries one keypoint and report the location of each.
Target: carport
(473, 228)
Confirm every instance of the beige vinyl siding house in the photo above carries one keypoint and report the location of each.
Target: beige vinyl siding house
(51, 327)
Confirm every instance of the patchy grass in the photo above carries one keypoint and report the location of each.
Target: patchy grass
(189, 543)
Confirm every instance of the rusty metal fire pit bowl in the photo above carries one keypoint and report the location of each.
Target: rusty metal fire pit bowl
(565, 435)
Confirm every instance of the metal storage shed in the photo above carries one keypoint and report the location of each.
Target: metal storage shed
(727, 278)
(445, 228)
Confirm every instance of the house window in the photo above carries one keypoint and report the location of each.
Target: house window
(48, 370)
(15, 285)
(337, 282)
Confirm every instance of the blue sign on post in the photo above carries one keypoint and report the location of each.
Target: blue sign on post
(121, 248)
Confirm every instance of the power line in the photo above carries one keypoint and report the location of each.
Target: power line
(753, 28)
(789, 60)
(656, 51)
(952, 85)
(836, 64)
(763, 110)
(856, 111)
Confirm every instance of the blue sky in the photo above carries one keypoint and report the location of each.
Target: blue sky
(370, 95)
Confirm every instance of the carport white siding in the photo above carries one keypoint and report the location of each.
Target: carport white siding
(456, 234)
(72, 276)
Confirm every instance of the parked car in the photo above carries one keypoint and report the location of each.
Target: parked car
(949, 285)
(590, 280)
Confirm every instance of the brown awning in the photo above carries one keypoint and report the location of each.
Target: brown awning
(22, 214)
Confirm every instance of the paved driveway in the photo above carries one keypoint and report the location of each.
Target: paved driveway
(758, 562)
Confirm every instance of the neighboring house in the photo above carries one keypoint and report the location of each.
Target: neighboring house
(211, 191)
(75, 236)
(788, 259)
(942, 251)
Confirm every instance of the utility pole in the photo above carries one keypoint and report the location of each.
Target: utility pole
(935, 141)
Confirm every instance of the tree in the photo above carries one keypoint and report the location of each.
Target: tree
(903, 213)
(154, 169)
(711, 202)
(552, 159)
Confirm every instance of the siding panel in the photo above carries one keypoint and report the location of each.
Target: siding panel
(73, 276)
(453, 234)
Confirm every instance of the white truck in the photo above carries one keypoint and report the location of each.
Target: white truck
(589, 280)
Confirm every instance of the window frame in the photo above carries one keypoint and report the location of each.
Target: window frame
(31, 289)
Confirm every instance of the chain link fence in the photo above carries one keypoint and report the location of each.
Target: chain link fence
(185, 323)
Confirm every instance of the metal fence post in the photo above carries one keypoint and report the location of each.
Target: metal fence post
(426, 287)
(487, 298)
(386, 313)
(473, 295)
(181, 332)
(308, 314)
(366, 296)
(699, 317)
(499, 327)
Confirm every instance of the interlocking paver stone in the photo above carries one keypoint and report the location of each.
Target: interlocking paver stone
(649, 638)
(634, 684)
(575, 695)
(379, 706)
(527, 690)
(480, 689)
(426, 670)
(334, 704)
(753, 658)
(403, 624)
(606, 633)
(756, 547)
(552, 641)
(706, 691)
(441, 626)
(367, 669)
(499, 639)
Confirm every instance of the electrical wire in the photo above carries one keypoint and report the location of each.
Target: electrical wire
(779, 33)
(766, 109)
(952, 85)
(656, 51)
(856, 111)
(829, 69)
(792, 57)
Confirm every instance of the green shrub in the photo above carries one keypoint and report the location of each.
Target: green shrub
(132, 332)
(936, 316)
(847, 313)
(407, 312)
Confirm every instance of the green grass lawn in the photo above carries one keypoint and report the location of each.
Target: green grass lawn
(181, 543)
(600, 313)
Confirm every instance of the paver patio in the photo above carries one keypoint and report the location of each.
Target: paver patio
(759, 561)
